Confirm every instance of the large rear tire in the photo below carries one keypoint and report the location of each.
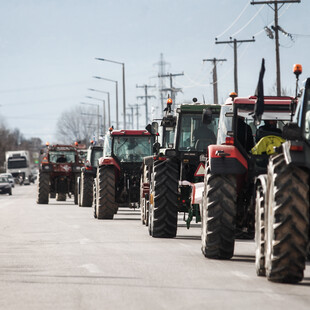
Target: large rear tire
(86, 189)
(287, 222)
(164, 199)
(43, 188)
(219, 212)
(260, 231)
(106, 205)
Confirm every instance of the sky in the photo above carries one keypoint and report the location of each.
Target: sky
(48, 50)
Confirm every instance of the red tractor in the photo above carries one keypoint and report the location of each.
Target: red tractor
(117, 183)
(232, 168)
(60, 166)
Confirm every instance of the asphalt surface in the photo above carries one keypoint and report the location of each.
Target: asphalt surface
(58, 256)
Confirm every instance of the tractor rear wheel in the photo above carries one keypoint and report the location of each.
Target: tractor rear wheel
(219, 211)
(164, 199)
(105, 204)
(43, 188)
(260, 231)
(287, 222)
(86, 190)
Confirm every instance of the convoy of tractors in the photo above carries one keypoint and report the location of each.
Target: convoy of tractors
(241, 169)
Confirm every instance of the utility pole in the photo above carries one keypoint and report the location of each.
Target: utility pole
(235, 42)
(146, 96)
(136, 106)
(161, 85)
(276, 8)
(171, 88)
(215, 93)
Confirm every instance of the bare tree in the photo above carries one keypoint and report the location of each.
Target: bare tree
(77, 124)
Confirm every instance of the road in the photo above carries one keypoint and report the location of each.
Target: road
(58, 256)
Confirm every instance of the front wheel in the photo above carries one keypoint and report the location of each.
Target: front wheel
(288, 221)
(163, 211)
(86, 190)
(219, 212)
(43, 188)
(106, 206)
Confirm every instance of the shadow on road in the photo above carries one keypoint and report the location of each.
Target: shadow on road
(243, 258)
(188, 237)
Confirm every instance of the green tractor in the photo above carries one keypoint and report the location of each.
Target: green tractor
(178, 167)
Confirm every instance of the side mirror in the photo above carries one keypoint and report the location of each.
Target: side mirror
(156, 147)
(207, 116)
(154, 128)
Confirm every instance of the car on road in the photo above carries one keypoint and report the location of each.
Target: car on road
(5, 186)
(10, 177)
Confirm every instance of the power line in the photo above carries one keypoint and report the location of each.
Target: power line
(238, 17)
(234, 34)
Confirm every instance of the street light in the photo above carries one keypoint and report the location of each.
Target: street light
(94, 104)
(124, 97)
(103, 111)
(109, 107)
(116, 94)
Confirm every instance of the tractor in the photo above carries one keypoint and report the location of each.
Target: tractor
(117, 183)
(176, 168)
(88, 174)
(59, 169)
(282, 199)
(165, 132)
(234, 163)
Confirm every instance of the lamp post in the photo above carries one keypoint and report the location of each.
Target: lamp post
(103, 111)
(109, 106)
(94, 104)
(124, 96)
(116, 94)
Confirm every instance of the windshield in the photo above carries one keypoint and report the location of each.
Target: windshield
(273, 120)
(4, 180)
(19, 162)
(96, 154)
(62, 157)
(132, 148)
(194, 135)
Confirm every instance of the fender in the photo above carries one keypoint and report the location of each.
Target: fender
(109, 161)
(296, 153)
(226, 159)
